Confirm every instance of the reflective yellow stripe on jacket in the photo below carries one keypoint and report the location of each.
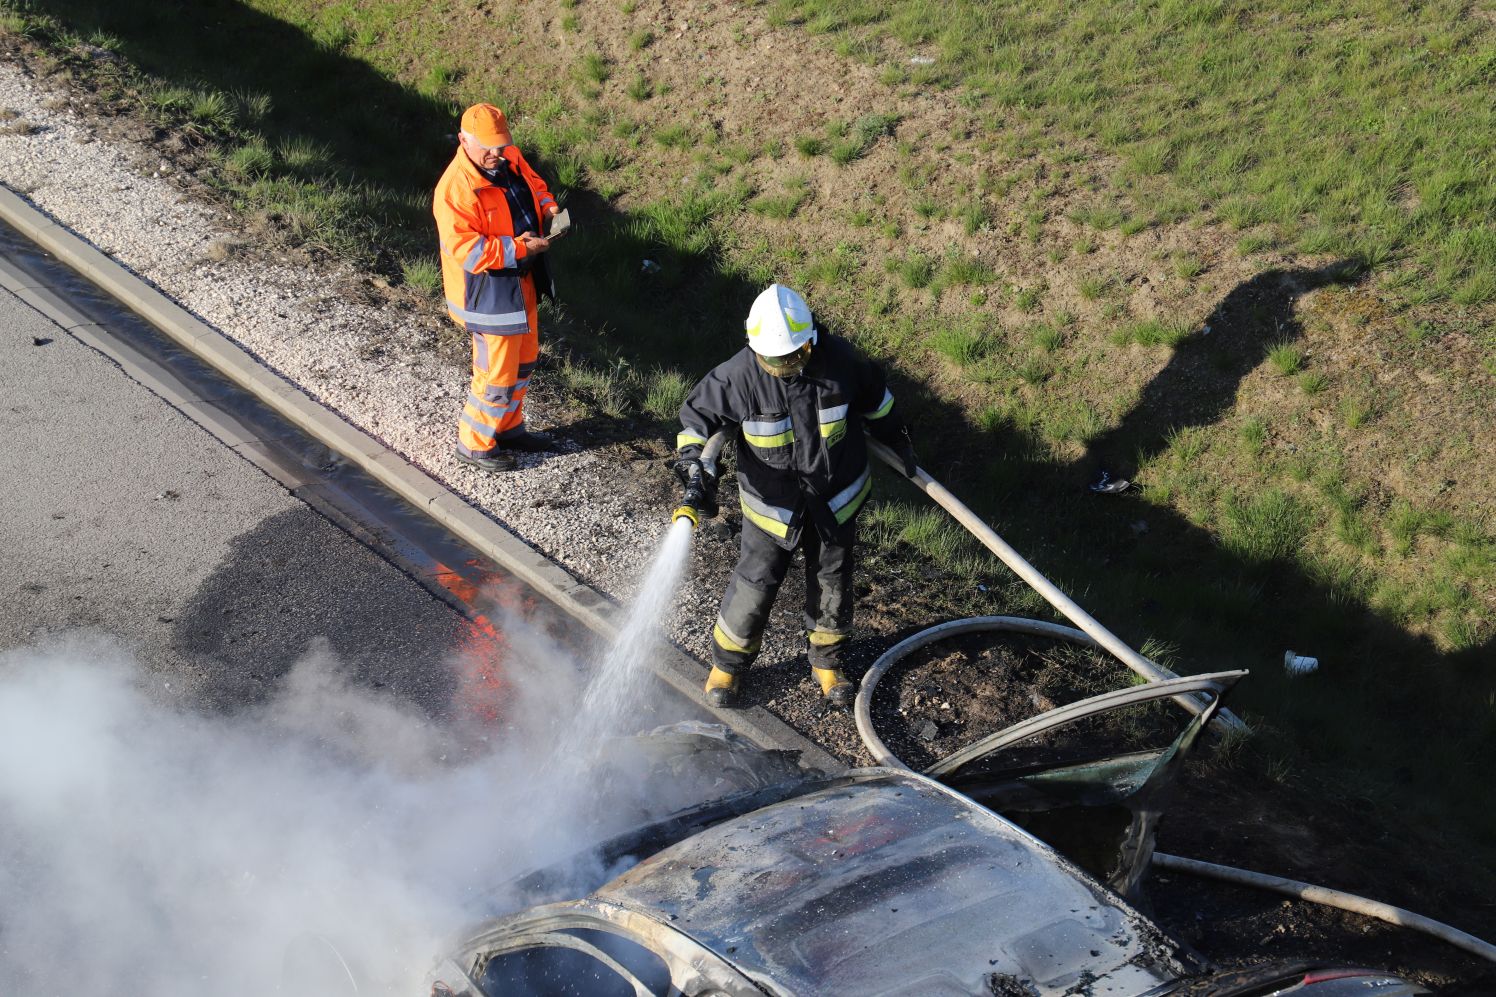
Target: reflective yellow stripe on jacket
(833, 424)
(770, 518)
(845, 503)
(769, 434)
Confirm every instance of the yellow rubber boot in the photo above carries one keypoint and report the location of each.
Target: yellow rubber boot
(721, 688)
(835, 686)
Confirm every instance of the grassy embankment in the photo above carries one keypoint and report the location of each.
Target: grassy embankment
(1038, 255)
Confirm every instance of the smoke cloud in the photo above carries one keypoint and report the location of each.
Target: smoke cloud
(147, 848)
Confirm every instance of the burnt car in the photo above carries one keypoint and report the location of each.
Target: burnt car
(886, 881)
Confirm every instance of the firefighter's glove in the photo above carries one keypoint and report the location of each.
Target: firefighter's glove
(700, 486)
(687, 468)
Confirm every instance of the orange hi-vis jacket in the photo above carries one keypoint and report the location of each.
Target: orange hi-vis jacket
(481, 258)
(491, 287)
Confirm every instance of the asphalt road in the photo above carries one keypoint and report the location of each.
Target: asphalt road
(123, 522)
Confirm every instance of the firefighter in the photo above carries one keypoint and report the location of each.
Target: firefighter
(798, 399)
(491, 209)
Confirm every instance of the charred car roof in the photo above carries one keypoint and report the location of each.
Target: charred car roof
(890, 883)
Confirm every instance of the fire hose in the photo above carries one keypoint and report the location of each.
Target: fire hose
(1095, 633)
(1092, 632)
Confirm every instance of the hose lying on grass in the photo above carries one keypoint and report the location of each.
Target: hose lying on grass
(862, 713)
(1095, 633)
(1330, 898)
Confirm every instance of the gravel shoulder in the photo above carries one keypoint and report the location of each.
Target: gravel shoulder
(378, 358)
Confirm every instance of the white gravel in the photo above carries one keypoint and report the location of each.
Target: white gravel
(569, 506)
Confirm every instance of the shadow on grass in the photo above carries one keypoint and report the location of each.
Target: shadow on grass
(1199, 385)
(1367, 720)
(1388, 715)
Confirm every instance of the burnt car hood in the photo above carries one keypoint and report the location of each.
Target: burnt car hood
(889, 883)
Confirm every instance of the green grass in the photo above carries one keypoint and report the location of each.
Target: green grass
(1313, 382)
(595, 67)
(1253, 434)
(1188, 266)
(1073, 421)
(1034, 370)
(1286, 357)
(666, 391)
(1046, 337)
(931, 534)
(1356, 410)
(1274, 112)
(1093, 287)
(314, 174)
(1270, 526)
(1254, 243)
(422, 274)
(641, 39)
(962, 345)
(675, 136)
(960, 270)
(810, 146)
(854, 141)
(1152, 332)
(1026, 299)
(639, 88)
(784, 205)
(612, 388)
(251, 160)
(213, 110)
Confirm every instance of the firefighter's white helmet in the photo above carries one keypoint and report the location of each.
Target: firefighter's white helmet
(779, 323)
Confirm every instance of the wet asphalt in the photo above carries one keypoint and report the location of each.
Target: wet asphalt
(123, 524)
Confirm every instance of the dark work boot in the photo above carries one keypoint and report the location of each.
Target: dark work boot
(528, 443)
(494, 460)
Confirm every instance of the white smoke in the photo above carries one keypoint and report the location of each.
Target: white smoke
(150, 849)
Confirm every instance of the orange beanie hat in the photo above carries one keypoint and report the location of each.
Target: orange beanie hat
(487, 124)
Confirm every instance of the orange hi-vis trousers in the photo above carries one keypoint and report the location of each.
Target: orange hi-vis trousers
(495, 405)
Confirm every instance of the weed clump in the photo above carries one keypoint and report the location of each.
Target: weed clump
(1268, 527)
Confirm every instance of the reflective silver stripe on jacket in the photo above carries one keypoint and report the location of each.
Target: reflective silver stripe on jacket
(833, 414)
(883, 407)
(485, 318)
(849, 493)
(476, 254)
(767, 428)
(763, 508)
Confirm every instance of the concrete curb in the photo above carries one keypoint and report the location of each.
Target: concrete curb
(580, 601)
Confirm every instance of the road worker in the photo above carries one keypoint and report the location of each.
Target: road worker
(491, 211)
(797, 398)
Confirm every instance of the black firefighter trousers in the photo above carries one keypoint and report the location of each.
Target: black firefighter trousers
(762, 565)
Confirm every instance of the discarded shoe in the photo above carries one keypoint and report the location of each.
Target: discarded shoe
(721, 689)
(835, 686)
(1107, 485)
(494, 460)
(529, 443)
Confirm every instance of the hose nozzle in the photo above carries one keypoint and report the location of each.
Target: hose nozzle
(699, 500)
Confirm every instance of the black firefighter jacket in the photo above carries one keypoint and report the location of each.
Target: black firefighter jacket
(800, 445)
